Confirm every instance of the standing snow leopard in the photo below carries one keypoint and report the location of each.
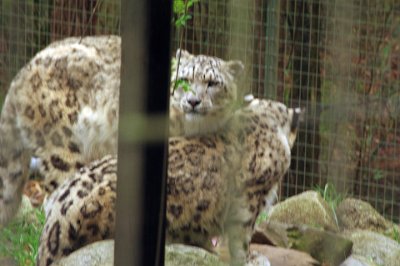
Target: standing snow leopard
(62, 107)
(217, 184)
(209, 101)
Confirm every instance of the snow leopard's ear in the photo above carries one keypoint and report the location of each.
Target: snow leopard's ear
(235, 67)
(183, 54)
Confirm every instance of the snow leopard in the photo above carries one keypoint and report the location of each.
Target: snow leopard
(62, 109)
(217, 184)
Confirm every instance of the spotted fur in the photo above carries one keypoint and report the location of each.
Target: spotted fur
(82, 212)
(217, 185)
(62, 108)
(210, 99)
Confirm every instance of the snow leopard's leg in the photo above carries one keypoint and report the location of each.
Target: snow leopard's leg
(238, 229)
(14, 163)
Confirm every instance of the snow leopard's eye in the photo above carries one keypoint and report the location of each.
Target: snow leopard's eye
(212, 83)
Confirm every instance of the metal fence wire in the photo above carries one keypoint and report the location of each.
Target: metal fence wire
(338, 58)
(27, 26)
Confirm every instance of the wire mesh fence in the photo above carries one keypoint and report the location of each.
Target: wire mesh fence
(339, 59)
(27, 26)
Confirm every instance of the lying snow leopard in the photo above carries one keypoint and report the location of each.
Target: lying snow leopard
(83, 211)
(62, 107)
(205, 194)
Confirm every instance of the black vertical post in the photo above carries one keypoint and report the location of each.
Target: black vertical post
(145, 67)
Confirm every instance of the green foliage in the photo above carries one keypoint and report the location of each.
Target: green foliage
(181, 8)
(394, 234)
(183, 84)
(262, 217)
(378, 174)
(20, 239)
(330, 195)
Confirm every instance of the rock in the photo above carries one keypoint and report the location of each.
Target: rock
(375, 247)
(96, 254)
(354, 260)
(394, 258)
(284, 257)
(102, 254)
(257, 259)
(357, 214)
(181, 255)
(271, 233)
(325, 246)
(307, 208)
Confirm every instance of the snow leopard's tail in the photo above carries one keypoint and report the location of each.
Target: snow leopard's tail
(14, 161)
(297, 116)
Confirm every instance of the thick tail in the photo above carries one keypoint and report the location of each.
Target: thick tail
(14, 162)
(10, 193)
(298, 115)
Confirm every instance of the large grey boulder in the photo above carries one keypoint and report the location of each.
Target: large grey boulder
(325, 246)
(375, 247)
(307, 208)
(357, 214)
(102, 254)
(283, 256)
(354, 260)
(180, 255)
(96, 254)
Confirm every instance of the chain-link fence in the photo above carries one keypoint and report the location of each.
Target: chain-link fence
(339, 59)
(27, 26)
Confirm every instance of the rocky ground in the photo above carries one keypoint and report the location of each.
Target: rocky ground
(303, 230)
(300, 231)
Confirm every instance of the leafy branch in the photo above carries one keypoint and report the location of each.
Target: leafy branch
(181, 8)
(183, 84)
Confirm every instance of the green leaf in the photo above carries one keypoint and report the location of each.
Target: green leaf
(262, 217)
(183, 84)
(180, 22)
(378, 174)
(192, 2)
(179, 7)
(386, 51)
(180, 10)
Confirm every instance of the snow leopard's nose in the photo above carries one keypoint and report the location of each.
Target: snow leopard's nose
(194, 102)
